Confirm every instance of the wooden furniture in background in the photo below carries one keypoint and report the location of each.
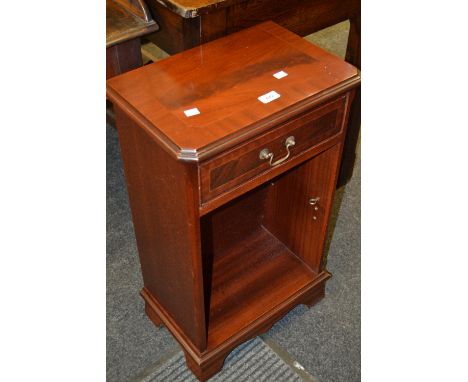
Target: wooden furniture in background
(126, 22)
(188, 23)
(231, 196)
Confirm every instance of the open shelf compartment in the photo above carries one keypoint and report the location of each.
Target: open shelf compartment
(254, 255)
(250, 280)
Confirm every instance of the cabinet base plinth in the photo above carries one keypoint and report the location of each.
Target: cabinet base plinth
(205, 370)
(153, 316)
(317, 295)
(206, 364)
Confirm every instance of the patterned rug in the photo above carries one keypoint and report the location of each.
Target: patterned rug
(252, 361)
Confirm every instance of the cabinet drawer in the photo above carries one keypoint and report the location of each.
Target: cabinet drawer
(242, 163)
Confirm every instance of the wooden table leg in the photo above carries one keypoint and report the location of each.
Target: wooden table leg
(353, 56)
(123, 57)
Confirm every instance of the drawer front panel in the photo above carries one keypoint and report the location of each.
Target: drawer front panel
(242, 163)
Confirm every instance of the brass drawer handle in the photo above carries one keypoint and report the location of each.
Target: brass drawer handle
(266, 154)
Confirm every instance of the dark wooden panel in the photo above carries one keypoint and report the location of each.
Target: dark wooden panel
(353, 55)
(170, 36)
(352, 137)
(177, 34)
(213, 25)
(288, 213)
(236, 220)
(123, 57)
(299, 16)
(163, 200)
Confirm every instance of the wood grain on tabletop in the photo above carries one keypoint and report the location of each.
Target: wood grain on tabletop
(225, 91)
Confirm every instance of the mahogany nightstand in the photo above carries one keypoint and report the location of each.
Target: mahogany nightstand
(231, 153)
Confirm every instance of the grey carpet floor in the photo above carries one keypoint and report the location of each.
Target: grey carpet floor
(324, 339)
(251, 362)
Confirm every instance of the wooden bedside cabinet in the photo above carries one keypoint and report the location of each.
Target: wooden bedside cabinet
(231, 153)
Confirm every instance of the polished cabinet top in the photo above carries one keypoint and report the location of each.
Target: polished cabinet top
(216, 94)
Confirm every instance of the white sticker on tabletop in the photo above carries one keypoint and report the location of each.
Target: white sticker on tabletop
(268, 97)
(280, 74)
(191, 112)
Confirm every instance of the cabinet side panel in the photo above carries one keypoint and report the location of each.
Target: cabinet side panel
(289, 214)
(163, 199)
(299, 16)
